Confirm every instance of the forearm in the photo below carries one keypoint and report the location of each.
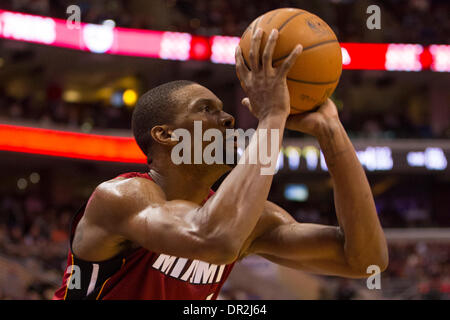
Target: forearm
(238, 203)
(365, 243)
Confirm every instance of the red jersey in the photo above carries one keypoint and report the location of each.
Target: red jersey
(140, 274)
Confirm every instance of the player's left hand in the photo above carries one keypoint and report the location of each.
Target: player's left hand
(315, 122)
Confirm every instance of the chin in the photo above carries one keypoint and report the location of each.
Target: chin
(225, 167)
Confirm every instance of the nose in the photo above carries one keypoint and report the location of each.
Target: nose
(227, 121)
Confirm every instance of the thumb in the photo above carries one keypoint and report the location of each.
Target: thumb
(246, 103)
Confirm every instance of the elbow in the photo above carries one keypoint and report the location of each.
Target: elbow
(365, 270)
(383, 260)
(372, 258)
(218, 247)
(377, 264)
(225, 252)
(222, 251)
(369, 264)
(222, 258)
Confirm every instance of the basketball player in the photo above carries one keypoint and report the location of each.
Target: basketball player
(164, 235)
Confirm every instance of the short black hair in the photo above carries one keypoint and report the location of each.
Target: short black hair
(155, 107)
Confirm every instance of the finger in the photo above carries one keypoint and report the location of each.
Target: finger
(290, 60)
(268, 50)
(254, 50)
(241, 68)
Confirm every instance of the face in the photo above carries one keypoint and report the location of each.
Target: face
(199, 104)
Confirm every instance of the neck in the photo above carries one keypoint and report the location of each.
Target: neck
(183, 182)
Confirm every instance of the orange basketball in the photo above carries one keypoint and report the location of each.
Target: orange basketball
(316, 72)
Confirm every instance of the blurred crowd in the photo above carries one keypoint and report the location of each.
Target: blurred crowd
(418, 271)
(53, 110)
(406, 20)
(423, 21)
(34, 235)
(401, 212)
(409, 119)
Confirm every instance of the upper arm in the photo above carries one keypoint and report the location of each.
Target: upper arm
(136, 210)
(310, 247)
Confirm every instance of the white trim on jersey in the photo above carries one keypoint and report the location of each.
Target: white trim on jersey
(93, 278)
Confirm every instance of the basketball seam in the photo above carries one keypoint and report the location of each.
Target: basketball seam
(307, 48)
(288, 20)
(272, 16)
(256, 25)
(252, 31)
(312, 82)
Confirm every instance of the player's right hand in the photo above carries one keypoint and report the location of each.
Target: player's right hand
(264, 84)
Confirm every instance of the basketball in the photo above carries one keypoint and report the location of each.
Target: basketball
(315, 74)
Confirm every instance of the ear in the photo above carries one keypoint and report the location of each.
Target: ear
(163, 135)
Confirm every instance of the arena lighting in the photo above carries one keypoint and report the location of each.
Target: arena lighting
(291, 158)
(129, 97)
(296, 192)
(200, 48)
(108, 39)
(431, 158)
(403, 57)
(35, 177)
(441, 61)
(22, 184)
(376, 158)
(69, 144)
(371, 158)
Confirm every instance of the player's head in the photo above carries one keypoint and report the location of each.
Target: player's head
(175, 105)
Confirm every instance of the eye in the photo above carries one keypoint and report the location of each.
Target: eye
(206, 108)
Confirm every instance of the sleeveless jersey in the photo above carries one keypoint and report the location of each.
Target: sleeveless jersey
(140, 274)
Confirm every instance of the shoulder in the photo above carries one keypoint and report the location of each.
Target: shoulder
(121, 197)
